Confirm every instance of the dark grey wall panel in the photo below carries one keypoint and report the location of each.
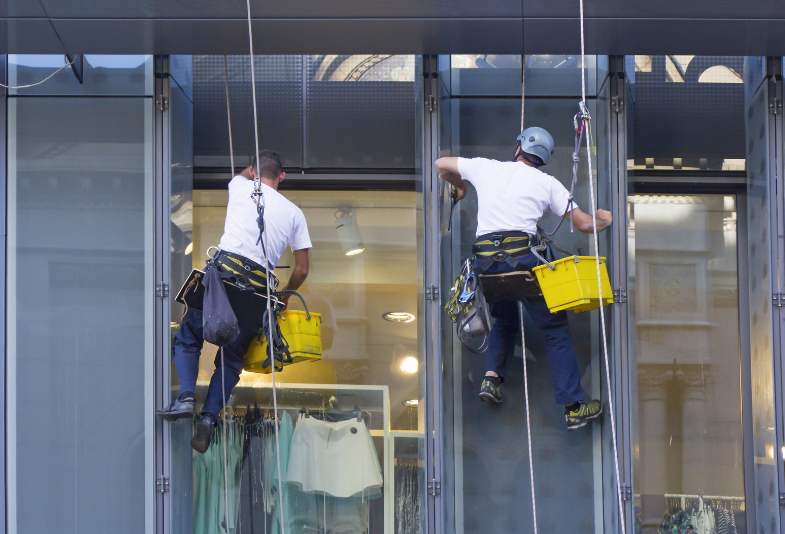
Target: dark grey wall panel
(210, 9)
(28, 36)
(21, 8)
(616, 36)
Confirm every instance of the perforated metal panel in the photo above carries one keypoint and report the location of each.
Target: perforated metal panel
(279, 108)
(354, 123)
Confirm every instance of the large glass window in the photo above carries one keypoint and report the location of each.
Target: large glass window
(79, 315)
(364, 282)
(486, 484)
(685, 309)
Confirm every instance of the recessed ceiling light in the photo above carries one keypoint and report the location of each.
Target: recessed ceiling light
(398, 317)
(189, 248)
(355, 251)
(411, 403)
(410, 365)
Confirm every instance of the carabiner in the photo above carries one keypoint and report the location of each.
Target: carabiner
(468, 294)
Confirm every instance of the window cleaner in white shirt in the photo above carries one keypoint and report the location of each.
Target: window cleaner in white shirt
(512, 196)
(241, 253)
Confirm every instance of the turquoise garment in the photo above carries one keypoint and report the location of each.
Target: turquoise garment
(210, 515)
(285, 432)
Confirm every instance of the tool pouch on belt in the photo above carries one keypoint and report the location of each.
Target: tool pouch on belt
(467, 308)
(220, 322)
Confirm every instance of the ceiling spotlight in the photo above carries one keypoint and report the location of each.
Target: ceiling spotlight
(398, 317)
(348, 233)
(189, 248)
(411, 403)
(410, 365)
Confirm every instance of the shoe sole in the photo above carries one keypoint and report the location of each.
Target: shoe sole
(169, 416)
(585, 422)
(487, 397)
(200, 446)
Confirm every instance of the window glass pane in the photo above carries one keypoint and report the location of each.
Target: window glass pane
(80, 290)
(683, 298)
(359, 111)
(677, 126)
(487, 480)
(279, 108)
(102, 74)
(500, 75)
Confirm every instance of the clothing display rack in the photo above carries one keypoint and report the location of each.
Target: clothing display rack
(703, 514)
(372, 401)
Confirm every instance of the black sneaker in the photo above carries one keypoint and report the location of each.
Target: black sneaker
(490, 393)
(205, 428)
(178, 409)
(581, 415)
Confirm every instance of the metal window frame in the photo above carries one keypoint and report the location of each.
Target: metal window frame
(162, 264)
(432, 296)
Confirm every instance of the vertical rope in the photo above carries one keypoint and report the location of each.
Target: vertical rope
(267, 266)
(226, 464)
(528, 415)
(599, 284)
(523, 86)
(229, 116)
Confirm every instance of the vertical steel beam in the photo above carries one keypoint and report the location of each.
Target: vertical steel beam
(161, 320)
(777, 241)
(433, 293)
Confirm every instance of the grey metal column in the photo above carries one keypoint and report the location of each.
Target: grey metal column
(162, 327)
(620, 316)
(4, 234)
(431, 202)
(777, 241)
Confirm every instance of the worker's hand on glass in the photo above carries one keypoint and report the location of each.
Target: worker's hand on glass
(604, 219)
(456, 193)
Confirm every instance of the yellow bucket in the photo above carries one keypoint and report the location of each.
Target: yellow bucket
(572, 285)
(303, 335)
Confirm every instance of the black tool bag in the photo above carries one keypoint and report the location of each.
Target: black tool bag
(220, 322)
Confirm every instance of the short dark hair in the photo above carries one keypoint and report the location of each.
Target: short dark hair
(531, 158)
(270, 164)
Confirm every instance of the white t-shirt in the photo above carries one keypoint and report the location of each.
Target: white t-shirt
(512, 196)
(284, 223)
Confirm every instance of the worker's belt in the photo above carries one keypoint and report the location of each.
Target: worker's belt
(246, 273)
(500, 247)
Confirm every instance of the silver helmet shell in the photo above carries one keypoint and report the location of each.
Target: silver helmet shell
(537, 142)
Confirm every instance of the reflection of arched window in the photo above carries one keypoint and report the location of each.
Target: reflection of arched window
(363, 67)
(720, 74)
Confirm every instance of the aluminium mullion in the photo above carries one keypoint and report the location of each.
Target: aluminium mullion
(161, 229)
(625, 379)
(778, 250)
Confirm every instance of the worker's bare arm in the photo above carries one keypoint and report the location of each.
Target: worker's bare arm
(448, 171)
(583, 221)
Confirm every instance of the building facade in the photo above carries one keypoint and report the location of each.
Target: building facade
(115, 187)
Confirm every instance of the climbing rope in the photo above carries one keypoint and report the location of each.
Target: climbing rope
(599, 283)
(585, 123)
(528, 415)
(258, 196)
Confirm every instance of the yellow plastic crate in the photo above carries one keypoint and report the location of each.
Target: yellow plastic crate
(304, 337)
(572, 285)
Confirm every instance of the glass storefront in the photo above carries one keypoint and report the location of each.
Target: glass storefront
(367, 293)
(79, 382)
(116, 188)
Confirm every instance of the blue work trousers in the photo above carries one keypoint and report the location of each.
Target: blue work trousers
(506, 333)
(188, 343)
